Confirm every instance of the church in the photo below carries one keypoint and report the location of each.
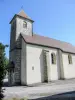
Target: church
(37, 59)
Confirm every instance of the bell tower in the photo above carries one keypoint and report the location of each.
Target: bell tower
(24, 24)
(20, 23)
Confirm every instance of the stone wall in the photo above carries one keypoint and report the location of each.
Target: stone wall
(15, 56)
(60, 63)
(17, 66)
(23, 64)
(13, 34)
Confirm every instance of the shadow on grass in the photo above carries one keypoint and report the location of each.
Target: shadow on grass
(62, 96)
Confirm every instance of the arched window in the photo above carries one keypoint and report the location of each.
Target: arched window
(53, 58)
(24, 24)
(70, 59)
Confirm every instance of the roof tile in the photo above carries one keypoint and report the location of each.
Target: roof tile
(23, 14)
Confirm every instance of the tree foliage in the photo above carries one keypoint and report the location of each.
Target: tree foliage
(6, 66)
(2, 67)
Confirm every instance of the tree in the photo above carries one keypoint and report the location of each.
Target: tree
(6, 65)
(2, 67)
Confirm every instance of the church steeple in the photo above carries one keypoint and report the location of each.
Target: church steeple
(22, 23)
(23, 14)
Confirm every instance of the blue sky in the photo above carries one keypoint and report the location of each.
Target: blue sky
(53, 18)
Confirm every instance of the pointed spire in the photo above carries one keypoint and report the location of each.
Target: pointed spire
(23, 14)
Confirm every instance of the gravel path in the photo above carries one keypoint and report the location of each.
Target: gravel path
(41, 90)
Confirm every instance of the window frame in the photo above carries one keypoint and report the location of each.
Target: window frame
(69, 58)
(53, 58)
(24, 24)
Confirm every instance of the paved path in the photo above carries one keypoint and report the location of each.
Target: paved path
(46, 89)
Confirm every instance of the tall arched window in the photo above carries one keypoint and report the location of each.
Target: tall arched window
(24, 24)
(70, 59)
(53, 58)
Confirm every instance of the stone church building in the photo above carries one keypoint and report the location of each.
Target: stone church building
(37, 59)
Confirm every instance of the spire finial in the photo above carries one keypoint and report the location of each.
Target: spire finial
(22, 7)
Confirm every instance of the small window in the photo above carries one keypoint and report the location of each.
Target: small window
(53, 58)
(24, 24)
(32, 67)
(70, 59)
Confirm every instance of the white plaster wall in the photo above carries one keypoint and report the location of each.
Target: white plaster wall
(69, 69)
(54, 67)
(34, 59)
(20, 29)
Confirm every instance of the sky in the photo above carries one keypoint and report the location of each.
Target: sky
(53, 18)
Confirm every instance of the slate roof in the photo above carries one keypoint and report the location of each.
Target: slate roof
(49, 42)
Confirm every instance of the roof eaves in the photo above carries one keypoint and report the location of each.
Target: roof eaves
(25, 18)
(23, 38)
(12, 19)
(44, 45)
(20, 17)
(50, 47)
